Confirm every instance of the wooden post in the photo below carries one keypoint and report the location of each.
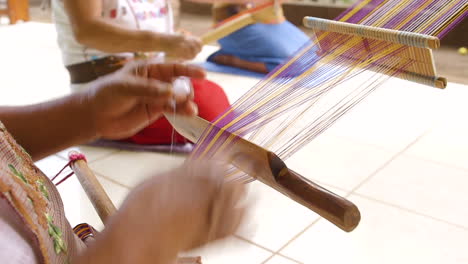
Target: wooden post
(95, 192)
(17, 10)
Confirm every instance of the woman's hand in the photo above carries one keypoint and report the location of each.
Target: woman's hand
(115, 107)
(183, 46)
(176, 211)
(123, 103)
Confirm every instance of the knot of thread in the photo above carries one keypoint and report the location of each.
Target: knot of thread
(72, 157)
(76, 156)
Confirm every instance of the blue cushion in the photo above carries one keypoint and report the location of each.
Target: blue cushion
(271, 44)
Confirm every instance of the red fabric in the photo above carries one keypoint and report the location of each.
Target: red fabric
(211, 101)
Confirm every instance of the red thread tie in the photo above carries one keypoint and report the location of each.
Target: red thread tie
(72, 157)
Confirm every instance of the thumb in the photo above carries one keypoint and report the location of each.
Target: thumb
(145, 87)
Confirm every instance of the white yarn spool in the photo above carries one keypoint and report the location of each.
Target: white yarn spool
(182, 86)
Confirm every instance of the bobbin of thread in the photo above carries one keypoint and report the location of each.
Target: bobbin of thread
(181, 87)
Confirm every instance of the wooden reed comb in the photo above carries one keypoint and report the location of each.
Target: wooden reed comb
(268, 168)
(418, 48)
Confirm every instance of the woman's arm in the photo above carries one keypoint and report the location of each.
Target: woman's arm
(116, 107)
(92, 30)
(46, 128)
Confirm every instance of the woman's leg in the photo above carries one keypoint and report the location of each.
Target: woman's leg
(231, 60)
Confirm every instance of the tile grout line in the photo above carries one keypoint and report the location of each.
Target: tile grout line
(287, 257)
(283, 256)
(253, 243)
(112, 180)
(437, 162)
(411, 211)
(264, 248)
(367, 144)
(296, 236)
(101, 175)
(105, 156)
(346, 196)
(357, 187)
(385, 164)
(268, 259)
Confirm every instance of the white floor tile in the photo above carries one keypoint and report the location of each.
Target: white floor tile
(393, 116)
(422, 186)
(231, 251)
(130, 168)
(280, 260)
(338, 161)
(447, 142)
(274, 218)
(32, 64)
(386, 235)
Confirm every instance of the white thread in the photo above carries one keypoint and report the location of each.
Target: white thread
(182, 86)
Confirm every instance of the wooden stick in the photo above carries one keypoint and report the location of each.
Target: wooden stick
(98, 196)
(391, 35)
(269, 14)
(329, 205)
(227, 28)
(271, 170)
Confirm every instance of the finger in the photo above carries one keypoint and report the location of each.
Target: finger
(193, 47)
(136, 67)
(143, 87)
(167, 71)
(188, 70)
(188, 108)
(198, 44)
(154, 112)
(193, 51)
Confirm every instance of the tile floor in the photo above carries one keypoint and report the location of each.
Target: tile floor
(401, 156)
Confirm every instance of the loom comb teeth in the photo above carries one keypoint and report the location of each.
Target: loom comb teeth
(415, 49)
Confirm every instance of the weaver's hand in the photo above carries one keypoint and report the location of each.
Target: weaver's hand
(175, 211)
(183, 46)
(123, 103)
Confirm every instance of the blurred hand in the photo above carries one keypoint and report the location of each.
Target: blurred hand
(183, 46)
(176, 211)
(123, 103)
(257, 2)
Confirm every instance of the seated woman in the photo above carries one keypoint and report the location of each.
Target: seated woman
(154, 223)
(258, 47)
(98, 36)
